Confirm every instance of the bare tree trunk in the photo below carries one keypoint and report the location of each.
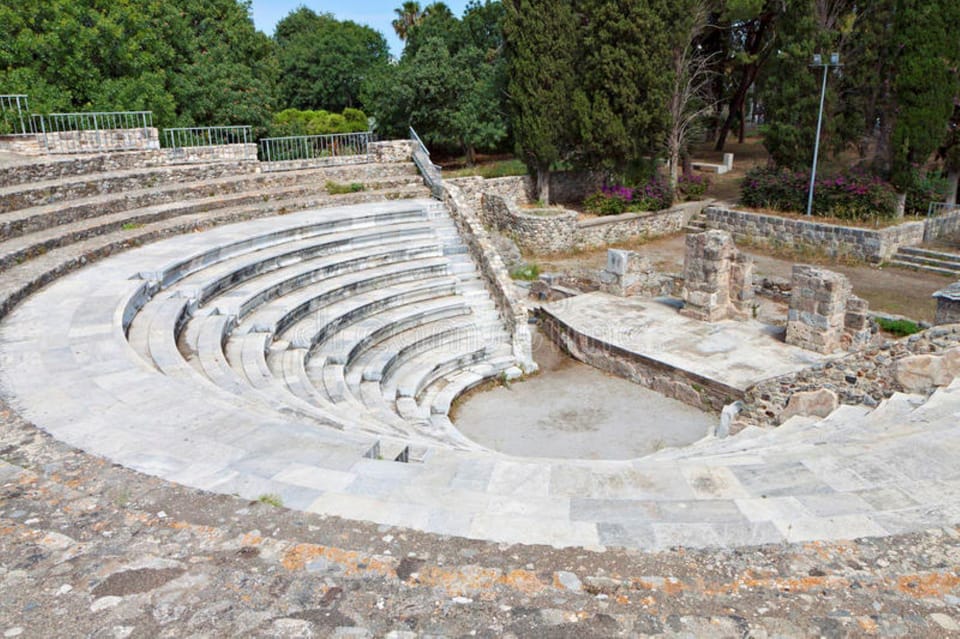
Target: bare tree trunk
(471, 154)
(953, 179)
(901, 205)
(543, 184)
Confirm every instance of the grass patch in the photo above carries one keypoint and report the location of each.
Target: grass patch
(489, 170)
(527, 272)
(271, 499)
(898, 327)
(131, 226)
(336, 188)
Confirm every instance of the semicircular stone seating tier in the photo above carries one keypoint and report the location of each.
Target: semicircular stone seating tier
(315, 355)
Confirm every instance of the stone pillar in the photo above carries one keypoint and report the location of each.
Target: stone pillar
(718, 279)
(818, 308)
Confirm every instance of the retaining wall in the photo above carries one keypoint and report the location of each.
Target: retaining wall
(501, 287)
(870, 245)
(689, 388)
(100, 141)
(557, 230)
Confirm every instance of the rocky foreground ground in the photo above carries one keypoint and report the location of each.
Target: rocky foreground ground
(89, 549)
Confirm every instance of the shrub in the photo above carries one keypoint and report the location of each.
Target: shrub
(297, 122)
(654, 195)
(852, 195)
(528, 272)
(901, 327)
(692, 186)
(927, 188)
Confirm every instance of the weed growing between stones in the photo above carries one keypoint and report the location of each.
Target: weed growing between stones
(336, 188)
(898, 327)
(271, 499)
(527, 272)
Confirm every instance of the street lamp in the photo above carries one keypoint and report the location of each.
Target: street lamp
(818, 61)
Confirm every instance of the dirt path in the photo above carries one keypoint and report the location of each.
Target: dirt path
(888, 289)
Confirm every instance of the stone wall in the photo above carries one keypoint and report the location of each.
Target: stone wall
(390, 151)
(866, 377)
(518, 189)
(557, 230)
(140, 139)
(610, 229)
(22, 144)
(213, 153)
(534, 230)
(870, 245)
(501, 288)
(818, 305)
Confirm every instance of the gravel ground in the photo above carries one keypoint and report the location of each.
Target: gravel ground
(89, 549)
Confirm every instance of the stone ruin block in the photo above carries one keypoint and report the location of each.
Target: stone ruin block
(630, 273)
(718, 279)
(948, 305)
(824, 314)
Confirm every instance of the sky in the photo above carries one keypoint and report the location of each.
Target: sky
(374, 13)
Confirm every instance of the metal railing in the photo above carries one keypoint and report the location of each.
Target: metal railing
(185, 137)
(297, 151)
(87, 132)
(14, 115)
(429, 170)
(939, 209)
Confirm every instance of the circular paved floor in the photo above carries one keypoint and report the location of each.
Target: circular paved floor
(574, 411)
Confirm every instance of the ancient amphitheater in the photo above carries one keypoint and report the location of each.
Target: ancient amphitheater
(184, 344)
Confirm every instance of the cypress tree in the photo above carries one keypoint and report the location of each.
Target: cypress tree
(540, 44)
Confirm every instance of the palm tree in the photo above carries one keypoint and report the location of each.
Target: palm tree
(408, 16)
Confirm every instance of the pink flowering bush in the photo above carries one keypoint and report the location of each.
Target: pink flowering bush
(692, 186)
(852, 195)
(654, 195)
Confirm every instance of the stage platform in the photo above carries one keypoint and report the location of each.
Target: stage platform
(649, 341)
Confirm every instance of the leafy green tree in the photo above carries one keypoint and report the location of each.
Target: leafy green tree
(323, 61)
(176, 58)
(540, 41)
(925, 85)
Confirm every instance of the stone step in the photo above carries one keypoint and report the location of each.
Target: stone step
(199, 196)
(136, 179)
(943, 256)
(21, 196)
(300, 316)
(17, 250)
(926, 264)
(226, 275)
(56, 168)
(342, 268)
(920, 267)
(297, 382)
(323, 223)
(461, 382)
(351, 346)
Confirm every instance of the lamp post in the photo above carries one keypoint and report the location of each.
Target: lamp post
(818, 61)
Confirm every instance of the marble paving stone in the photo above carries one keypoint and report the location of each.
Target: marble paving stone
(841, 527)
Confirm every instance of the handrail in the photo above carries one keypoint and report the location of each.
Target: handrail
(182, 137)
